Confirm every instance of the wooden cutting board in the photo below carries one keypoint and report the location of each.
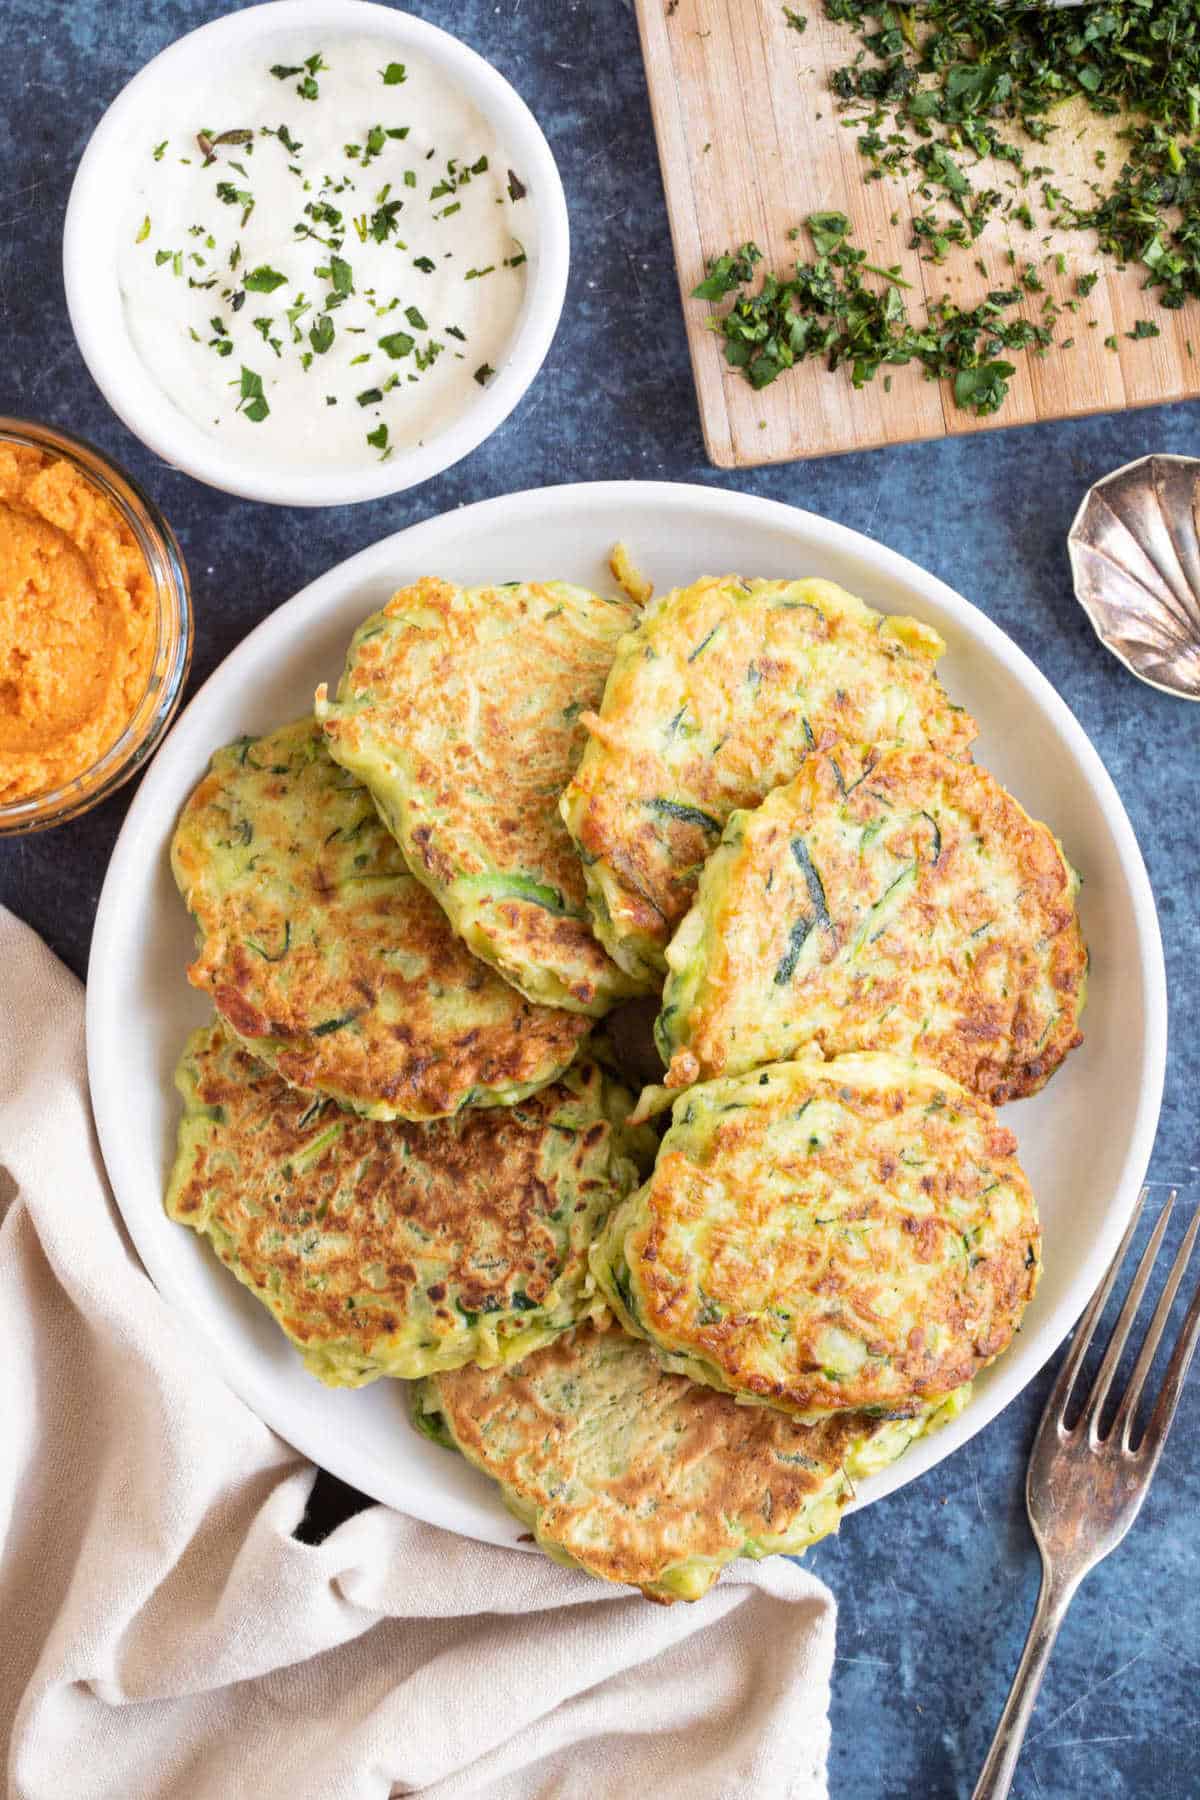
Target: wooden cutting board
(750, 143)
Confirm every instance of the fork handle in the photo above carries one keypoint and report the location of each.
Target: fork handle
(1053, 1600)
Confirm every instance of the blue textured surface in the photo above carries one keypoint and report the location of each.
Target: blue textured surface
(935, 1584)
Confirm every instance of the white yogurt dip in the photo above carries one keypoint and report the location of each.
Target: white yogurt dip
(324, 260)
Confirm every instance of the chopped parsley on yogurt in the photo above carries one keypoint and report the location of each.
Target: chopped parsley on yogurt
(326, 257)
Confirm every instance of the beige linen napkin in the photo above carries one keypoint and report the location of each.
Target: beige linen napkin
(163, 1634)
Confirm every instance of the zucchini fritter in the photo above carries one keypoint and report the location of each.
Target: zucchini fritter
(916, 909)
(639, 1476)
(715, 699)
(820, 1236)
(322, 951)
(398, 1249)
(459, 709)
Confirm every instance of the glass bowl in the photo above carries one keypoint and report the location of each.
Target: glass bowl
(173, 649)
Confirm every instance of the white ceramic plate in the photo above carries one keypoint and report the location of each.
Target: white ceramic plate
(1085, 1142)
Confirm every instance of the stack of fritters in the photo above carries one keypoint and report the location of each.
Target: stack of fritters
(717, 698)
(524, 805)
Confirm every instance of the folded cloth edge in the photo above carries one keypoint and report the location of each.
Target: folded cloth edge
(148, 1570)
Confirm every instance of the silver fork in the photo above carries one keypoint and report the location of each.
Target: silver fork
(1083, 1491)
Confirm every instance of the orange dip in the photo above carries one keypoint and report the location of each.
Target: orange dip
(78, 623)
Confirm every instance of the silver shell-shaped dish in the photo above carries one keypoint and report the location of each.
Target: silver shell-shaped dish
(1135, 557)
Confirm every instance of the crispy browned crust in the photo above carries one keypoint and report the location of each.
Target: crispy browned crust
(1004, 997)
(718, 1277)
(350, 936)
(460, 709)
(657, 859)
(371, 1237)
(747, 737)
(512, 745)
(652, 1470)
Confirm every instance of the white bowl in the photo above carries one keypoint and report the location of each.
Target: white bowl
(90, 254)
(1085, 1140)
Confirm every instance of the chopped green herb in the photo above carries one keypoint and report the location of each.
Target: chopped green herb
(143, 231)
(311, 67)
(233, 196)
(209, 141)
(685, 815)
(983, 389)
(827, 230)
(263, 328)
(825, 309)
(394, 74)
(797, 938)
(327, 1026)
(484, 373)
(253, 402)
(264, 280)
(397, 344)
(321, 334)
(729, 271)
(929, 87)
(383, 220)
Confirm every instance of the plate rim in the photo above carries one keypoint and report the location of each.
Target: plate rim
(1007, 1378)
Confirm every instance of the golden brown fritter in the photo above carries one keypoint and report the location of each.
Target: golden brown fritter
(714, 700)
(460, 710)
(819, 1235)
(915, 909)
(400, 1248)
(642, 1477)
(322, 952)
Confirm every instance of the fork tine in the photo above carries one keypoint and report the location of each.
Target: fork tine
(1164, 1407)
(1126, 1413)
(1124, 1325)
(1060, 1393)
